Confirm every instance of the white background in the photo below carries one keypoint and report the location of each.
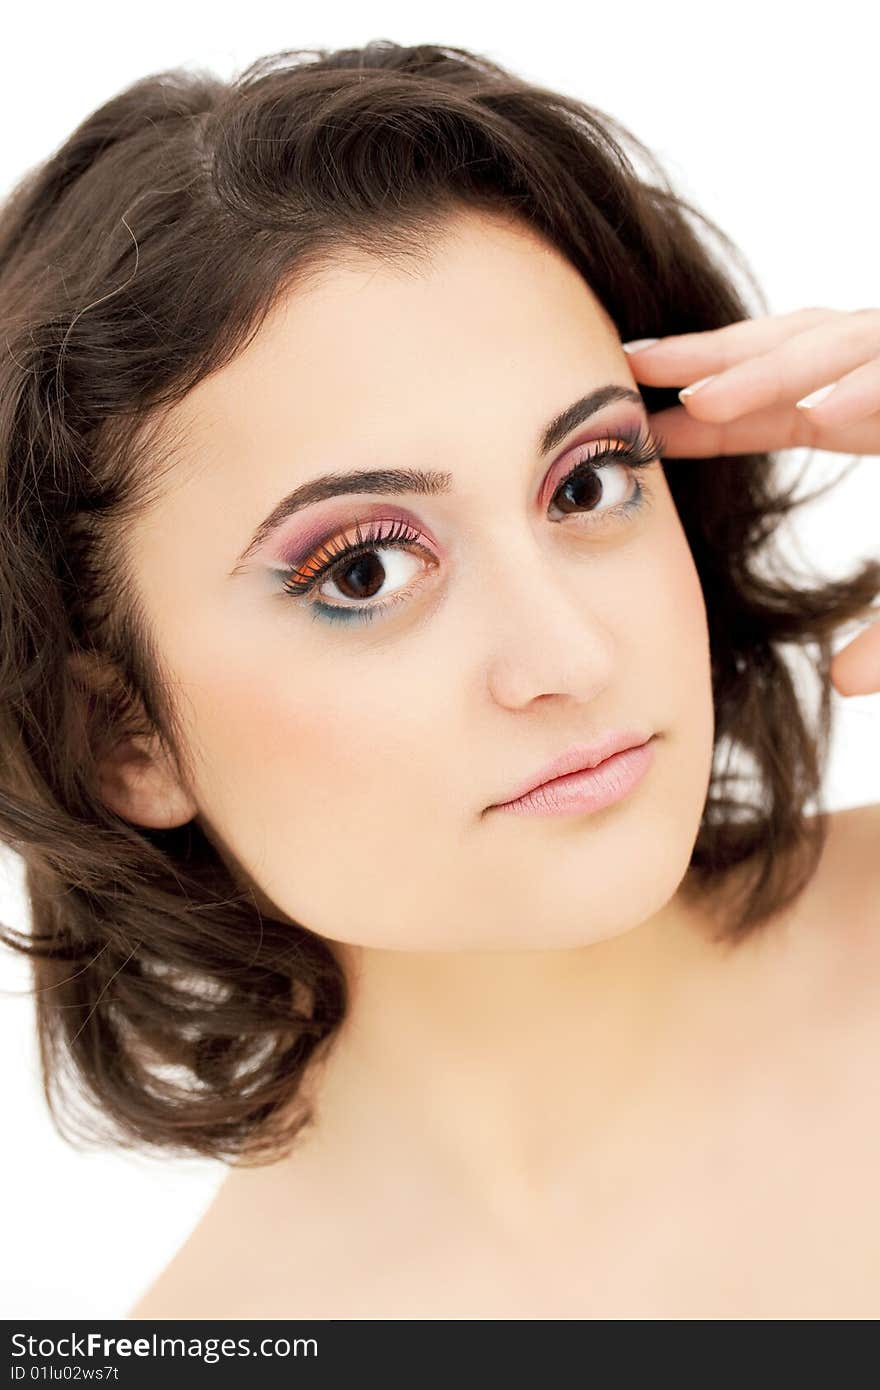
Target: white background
(764, 115)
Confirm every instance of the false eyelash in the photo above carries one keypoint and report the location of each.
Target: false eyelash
(639, 448)
(301, 581)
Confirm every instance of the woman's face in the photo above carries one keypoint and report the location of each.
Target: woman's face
(347, 741)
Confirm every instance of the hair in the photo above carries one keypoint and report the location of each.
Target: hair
(144, 254)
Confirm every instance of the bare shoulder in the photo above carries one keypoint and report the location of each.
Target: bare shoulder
(857, 825)
(848, 880)
(842, 905)
(193, 1284)
(236, 1263)
(201, 1281)
(176, 1293)
(152, 1305)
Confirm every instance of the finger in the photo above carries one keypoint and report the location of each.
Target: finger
(763, 431)
(855, 670)
(855, 396)
(785, 373)
(683, 357)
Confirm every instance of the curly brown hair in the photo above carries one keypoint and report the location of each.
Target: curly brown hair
(141, 256)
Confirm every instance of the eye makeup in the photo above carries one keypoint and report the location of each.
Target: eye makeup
(354, 547)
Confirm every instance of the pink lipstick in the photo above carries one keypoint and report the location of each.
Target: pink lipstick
(585, 779)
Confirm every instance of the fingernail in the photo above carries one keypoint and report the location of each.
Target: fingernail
(816, 396)
(637, 344)
(689, 390)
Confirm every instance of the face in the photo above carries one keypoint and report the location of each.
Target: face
(351, 717)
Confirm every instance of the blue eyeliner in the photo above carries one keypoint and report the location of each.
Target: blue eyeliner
(641, 448)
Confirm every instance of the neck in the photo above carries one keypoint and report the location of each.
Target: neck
(495, 1077)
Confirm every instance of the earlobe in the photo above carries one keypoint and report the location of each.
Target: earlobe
(139, 784)
(136, 778)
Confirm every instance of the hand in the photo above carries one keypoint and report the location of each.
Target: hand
(761, 370)
(855, 669)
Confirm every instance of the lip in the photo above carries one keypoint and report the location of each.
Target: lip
(578, 758)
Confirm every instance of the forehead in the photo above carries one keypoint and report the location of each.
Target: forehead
(489, 307)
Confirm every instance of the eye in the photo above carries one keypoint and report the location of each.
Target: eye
(365, 576)
(359, 578)
(606, 487)
(350, 573)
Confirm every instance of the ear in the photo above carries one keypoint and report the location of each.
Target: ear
(136, 777)
(139, 783)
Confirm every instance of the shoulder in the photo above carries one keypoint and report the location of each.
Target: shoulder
(841, 908)
(198, 1278)
(234, 1264)
(818, 960)
(192, 1288)
(857, 824)
(173, 1295)
(848, 877)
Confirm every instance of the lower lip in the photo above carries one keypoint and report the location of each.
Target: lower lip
(589, 790)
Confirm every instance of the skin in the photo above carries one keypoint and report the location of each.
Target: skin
(544, 1050)
(744, 382)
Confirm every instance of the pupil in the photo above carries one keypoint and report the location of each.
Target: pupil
(361, 568)
(583, 489)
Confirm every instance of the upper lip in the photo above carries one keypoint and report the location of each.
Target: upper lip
(578, 757)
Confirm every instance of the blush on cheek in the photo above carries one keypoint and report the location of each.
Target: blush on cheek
(250, 730)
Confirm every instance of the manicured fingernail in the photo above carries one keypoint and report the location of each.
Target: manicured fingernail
(638, 343)
(689, 390)
(816, 396)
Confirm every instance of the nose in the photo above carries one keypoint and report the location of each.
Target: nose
(545, 634)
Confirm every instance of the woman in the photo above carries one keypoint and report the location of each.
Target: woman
(336, 517)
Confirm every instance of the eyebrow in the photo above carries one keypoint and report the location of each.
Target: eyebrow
(415, 482)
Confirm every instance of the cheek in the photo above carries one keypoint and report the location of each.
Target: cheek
(679, 623)
(650, 598)
(677, 659)
(312, 783)
(284, 742)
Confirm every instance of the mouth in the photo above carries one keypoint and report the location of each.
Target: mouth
(584, 781)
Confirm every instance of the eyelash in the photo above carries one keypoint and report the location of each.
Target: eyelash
(640, 449)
